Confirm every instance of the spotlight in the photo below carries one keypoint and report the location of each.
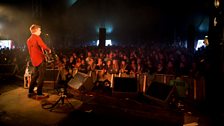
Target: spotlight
(216, 3)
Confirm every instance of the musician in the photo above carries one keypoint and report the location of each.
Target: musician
(36, 48)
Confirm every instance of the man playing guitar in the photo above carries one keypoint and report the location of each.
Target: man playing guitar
(35, 46)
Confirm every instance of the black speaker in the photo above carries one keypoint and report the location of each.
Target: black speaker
(7, 69)
(81, 82)
(160, 93)
(125, 87)
(51, 76)
(102, 37)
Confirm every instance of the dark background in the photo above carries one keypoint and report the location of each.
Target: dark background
(66, 22)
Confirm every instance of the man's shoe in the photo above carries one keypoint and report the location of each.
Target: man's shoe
(43, 96)
(31, 95)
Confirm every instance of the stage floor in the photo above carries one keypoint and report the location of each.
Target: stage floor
(92, 108)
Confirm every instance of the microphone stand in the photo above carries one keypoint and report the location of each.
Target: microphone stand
(59, 102)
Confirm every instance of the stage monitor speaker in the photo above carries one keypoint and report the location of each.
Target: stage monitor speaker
(125, 87)
(160, 93)
(51, 76)
(81, 82)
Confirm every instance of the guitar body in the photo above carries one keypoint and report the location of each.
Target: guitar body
(49, 57)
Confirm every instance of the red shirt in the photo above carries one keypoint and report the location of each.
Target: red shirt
(35, 46)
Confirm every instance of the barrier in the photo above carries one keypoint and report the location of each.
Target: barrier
(196, 87)
(196, 90)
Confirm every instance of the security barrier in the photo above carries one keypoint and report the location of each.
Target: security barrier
(196, 87)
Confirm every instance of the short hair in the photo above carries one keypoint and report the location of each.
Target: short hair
(34, 27)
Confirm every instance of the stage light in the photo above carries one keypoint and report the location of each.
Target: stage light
(200, 44)
(6, 44)
(216, 3)
(107, 25)
(108, 43)
(69, 3)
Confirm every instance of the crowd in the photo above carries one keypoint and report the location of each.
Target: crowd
(128, 61)
(153, 59)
